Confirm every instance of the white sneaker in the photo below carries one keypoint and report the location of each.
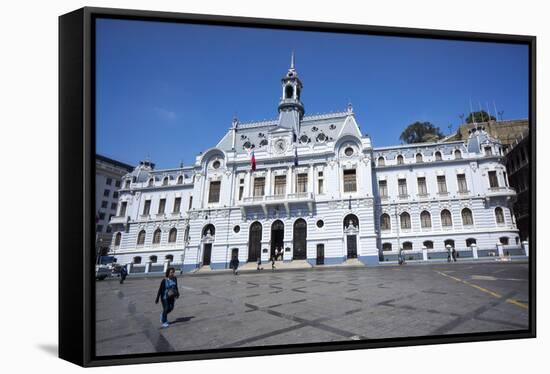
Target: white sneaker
(165, 324)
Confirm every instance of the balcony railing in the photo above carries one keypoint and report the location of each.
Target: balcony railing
(118, 219)
(501, 191)
(298, 196)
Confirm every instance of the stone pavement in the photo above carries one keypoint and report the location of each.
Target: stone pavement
(309, 306)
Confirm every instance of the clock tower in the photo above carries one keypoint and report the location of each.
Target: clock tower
(291, 109)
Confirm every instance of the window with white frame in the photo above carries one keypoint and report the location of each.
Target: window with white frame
(383, 189)
(301, 182)
(422, 188)
(425, 220)
(350, 183)
(405, 219)
(467, 217)
(441, 184)
(385, 222)
(402, 187)
(214, 192)
(259, 186)
(462, 185)
(280, 185)
(446, 218)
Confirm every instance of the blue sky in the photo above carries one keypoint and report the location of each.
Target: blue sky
(169, 91)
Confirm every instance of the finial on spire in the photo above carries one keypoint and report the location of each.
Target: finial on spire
(350, 107)
(235, 121)
(292, 60)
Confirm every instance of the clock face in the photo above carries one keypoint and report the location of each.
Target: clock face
(280, 145)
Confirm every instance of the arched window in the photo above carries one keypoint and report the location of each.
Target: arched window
(428, 244)
(141, 238)
(127, 183)
(499, 214)
(419, 157)
(450, 242)
(405, 220)
(400, 160)
(504, 240)
(470, 241)
(208, 230)
(153, 259)
(458, 154)
(351, 220)
(381, 161)
(467, 218)
(156, 236)
(425, 220)
(446, 218)
(386, 247)
(137, 260)
(385, 223)
(151, 182)
(289, 92)
(118, 236)
(407, 246)
(169, 257)
(172, 236)
(438, 156)
(180, 179)
(165, 181)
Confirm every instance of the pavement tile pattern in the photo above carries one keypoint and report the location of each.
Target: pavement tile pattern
(310, 306)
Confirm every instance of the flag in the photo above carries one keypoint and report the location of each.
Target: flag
(253, 162)
(295, 156)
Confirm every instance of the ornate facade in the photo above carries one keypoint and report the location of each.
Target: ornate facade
(317, 191)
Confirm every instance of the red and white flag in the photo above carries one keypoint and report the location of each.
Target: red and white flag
(253, 162)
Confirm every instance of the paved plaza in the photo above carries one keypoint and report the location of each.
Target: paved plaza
(314, 305)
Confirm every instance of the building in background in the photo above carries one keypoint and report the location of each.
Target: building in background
(517, 163)
(506, 132)
(313, 189)
(108, 173)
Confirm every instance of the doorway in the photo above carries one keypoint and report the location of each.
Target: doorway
(277, 236)
(300, 240)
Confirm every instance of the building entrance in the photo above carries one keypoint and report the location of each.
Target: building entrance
(277, 236)
(300, 240)
(254, 241)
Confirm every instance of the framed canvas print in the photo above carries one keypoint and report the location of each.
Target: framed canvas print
(235, 186)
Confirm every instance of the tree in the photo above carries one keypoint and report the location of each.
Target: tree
(481, 116)
(421, 132)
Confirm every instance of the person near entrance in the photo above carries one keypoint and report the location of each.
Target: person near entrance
(273, 263)
(259, 262)
(234, 265)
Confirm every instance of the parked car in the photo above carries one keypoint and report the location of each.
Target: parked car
(102, 272)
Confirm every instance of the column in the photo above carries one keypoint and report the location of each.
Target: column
(474, 251)
(268, 182)
(424, 253)
(289, 180)
(500, 249)
(147, 267)
(310, 184)
(525, 246)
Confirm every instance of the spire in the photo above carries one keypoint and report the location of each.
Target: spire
(291, 109)
(292, 61)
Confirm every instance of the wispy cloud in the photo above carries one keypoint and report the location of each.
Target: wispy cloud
(165, 114)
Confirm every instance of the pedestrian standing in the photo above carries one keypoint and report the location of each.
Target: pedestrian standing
(168, 293)
(259, 263)
(123, 274)
(234, 264)
(454, 254)
(273, 263)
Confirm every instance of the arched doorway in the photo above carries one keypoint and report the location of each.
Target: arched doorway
(300, 240)
(254, 241)
(277, 236)
(351, 230)
(208, 234)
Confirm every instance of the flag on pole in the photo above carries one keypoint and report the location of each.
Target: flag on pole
(253, 162)
(295, 156)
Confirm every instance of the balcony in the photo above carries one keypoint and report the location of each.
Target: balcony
(500, 192)
(423, 196)
(119, 220)
(285, 199)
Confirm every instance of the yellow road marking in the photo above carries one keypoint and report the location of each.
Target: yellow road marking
(494, 294)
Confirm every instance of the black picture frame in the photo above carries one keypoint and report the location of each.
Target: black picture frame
(77, 191)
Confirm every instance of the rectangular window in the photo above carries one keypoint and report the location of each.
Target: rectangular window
(106, 193)
(402, 187)
(177, 205)
(147, 207)
(383, 188)
(108, 229)
(113, 206)
(488, 151)
(101, 215)
(259, 186)
(104, 204)
(162, 206)
(280, 185)
(350, 184)
(462, 186)
(109, 181)
(301, 183)
(123, 206)
(493, 180)
(422, 188)
(214, 193)
(441, 184)
(190, 202)
(320, 186)
(115, 195)
(505, 178)
(241, 192)
(117, 183)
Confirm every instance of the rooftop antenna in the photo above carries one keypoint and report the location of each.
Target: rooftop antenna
(472, 113)
(496, 111)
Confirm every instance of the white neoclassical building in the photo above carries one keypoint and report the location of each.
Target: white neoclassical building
(313, 188)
